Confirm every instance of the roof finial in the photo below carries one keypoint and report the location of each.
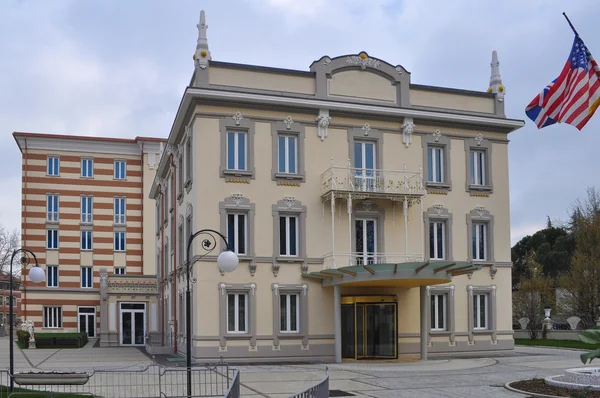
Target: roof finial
(202, 55)
(496, 86)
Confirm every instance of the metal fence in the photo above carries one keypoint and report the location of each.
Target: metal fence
(319, 390)
(153, 381)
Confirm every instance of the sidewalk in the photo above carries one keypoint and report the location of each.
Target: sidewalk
(476, 377)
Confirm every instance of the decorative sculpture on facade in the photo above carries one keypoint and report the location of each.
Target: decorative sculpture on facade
(408, 127)
(323, 121)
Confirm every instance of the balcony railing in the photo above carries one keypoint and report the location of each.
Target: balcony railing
(375, 181)
(345, 259)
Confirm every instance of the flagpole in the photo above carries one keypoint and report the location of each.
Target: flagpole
(570, 24)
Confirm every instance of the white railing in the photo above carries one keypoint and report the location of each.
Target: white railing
(400, 182)
(345, 259)
(52, 216)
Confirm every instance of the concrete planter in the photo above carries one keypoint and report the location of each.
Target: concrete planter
(37, 379)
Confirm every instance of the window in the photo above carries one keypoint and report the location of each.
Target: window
(237, 224)
(237, 232)
(52, 239)
(479, 237)
(119, 270)
(236, 150)
(52, 277)
(158, 216)
(180, 177)
(188, 231)
(288, 235)
(478, 168)
(120, 241)
(436, 164)
(87, 168)
(188, 160)
(166, 258)
(237, 313)
(86, 209)
(480, 311)
(86, 277)
(438, 312)
(288, 154)
(172, 189)
(180, 244)
(86, 240)
(52, 317)
(289, 313)
(52, 208)
(479, 165)
(53, 168)
(120, 169)
(437, 240)
(119, 210)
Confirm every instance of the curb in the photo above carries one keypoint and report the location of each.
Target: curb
(530, 394)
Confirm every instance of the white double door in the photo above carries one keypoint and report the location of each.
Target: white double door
(86, 320)
(365, 230)
(365, 175)
(133, 324)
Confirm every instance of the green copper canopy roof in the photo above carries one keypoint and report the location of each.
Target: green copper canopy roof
(409, 274)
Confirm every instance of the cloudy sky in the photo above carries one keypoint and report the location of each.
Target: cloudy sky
(118, 68)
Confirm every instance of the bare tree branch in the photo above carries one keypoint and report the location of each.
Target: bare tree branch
(9, 242)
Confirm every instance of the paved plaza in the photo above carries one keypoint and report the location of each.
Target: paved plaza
(468, 377)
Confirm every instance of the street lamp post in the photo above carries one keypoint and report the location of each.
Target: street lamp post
(227, 261)
(37, 275)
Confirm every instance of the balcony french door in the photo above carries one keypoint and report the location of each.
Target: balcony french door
(364, 166)
(366, 241)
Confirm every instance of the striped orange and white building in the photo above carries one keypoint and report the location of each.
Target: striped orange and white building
(83, 205)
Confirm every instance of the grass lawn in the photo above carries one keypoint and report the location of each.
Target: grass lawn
(556, 343)
(5, 391)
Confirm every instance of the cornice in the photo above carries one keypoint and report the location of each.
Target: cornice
(224, 96)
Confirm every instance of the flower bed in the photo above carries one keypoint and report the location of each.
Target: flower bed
(51, 378)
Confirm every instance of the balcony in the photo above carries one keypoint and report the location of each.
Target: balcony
(345, 259)
(372, 183)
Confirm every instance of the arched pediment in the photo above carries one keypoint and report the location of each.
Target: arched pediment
(361, 78)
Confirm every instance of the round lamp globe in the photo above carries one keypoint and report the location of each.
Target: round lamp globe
(37, 274)
(227, 261)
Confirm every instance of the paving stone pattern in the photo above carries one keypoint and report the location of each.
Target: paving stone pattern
(466, 377)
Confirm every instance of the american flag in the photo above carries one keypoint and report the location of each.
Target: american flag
(573, 96)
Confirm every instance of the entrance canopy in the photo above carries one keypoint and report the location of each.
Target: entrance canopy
(405, 275)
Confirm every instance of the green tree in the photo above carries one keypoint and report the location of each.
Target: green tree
(581, 285)
(535, 292)
(553, 248)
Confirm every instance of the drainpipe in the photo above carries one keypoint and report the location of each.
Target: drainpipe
(162, 260)
(174, 236)
(24, 233)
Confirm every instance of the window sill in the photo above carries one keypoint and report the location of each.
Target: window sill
(288, 177)
(119, 179)
(480, 188)
(238, 336)
(86, 223)
(86, 178)
(440, 332)
(290, 335)
(283, 259)
(52, 222)
(86, 250)
(437, 185)
(123, 225)
(238, 173)
(483, 331)
(52, 248)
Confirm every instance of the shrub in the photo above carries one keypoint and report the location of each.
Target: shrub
(23, 338)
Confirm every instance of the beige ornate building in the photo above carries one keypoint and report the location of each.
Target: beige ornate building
(370, 215)
(84, 200)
